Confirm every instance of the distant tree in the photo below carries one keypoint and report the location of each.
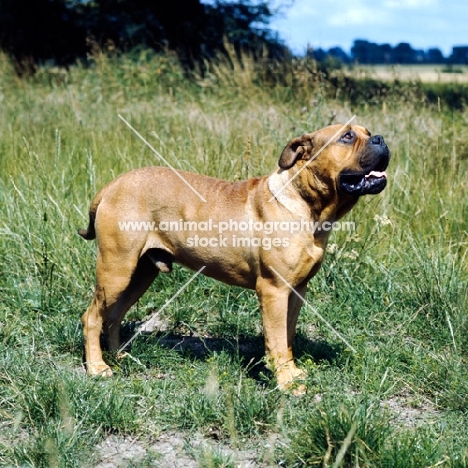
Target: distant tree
(385, 53)
(403, 53)
(339, 54)
(459, 55)
(366, 52)
(360, 51)
(317, 54)
(419, 56)
(434, 56)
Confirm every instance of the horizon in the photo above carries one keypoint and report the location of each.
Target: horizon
(348, 50)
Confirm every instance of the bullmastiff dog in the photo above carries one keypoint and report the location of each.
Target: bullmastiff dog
(268, 233)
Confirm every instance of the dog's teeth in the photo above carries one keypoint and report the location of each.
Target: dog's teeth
(376, 174)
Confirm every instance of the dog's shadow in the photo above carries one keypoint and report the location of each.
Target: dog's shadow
(248, 351)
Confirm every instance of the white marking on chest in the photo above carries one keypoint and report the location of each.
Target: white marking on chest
(288, 197)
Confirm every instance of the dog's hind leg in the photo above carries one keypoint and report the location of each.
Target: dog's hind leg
(119, 285)
(143, 276)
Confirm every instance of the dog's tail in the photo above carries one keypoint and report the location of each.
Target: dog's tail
(90, 232)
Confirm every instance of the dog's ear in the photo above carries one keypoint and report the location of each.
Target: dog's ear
(298, 148)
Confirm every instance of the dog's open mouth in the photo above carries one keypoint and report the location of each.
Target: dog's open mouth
(363, 184)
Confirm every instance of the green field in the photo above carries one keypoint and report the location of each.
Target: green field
(396, 288)
(423, 73)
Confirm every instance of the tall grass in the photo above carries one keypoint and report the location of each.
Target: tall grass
(396, 288)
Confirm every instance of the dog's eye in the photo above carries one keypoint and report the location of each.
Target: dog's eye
(348, 137)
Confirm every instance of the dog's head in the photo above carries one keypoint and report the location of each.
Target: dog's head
(345, 160)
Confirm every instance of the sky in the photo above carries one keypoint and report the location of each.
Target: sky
(328, 23)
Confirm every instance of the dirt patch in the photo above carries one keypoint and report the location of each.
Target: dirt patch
(176, 450)
(407, 413)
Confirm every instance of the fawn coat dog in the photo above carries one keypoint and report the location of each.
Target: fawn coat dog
(320, 177)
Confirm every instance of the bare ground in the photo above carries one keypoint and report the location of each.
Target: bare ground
(178, 450)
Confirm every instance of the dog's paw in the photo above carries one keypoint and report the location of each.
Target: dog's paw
(298, 390)
(293, 387)
(99, 369)
(299, 374)
(289, 380)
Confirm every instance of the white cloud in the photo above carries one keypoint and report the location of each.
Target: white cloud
(301, 10)
(408, 4)
(358, 14)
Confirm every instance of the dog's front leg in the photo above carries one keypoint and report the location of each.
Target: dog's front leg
(279, 314)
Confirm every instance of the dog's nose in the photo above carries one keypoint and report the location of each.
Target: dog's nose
(377, 140)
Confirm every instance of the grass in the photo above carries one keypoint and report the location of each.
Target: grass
(396, 288)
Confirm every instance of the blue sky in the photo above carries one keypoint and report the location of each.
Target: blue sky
(327, 23)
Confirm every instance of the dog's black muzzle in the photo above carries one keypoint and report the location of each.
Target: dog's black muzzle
(373, 178)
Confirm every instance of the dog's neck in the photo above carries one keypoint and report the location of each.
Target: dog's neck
(280, 186)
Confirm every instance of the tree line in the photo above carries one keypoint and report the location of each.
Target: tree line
(365, 52)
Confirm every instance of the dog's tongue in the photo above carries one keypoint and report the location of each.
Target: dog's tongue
(376, 174)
